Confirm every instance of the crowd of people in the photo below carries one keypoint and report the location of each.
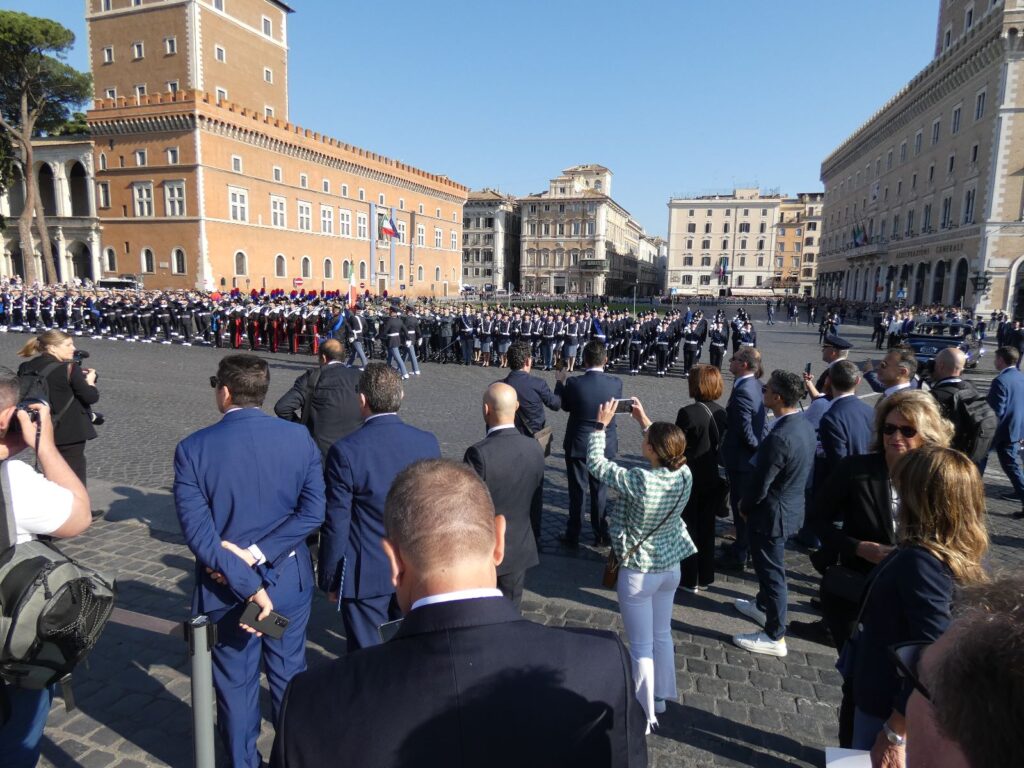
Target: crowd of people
(426, 559)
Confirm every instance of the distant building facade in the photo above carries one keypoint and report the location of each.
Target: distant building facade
(576, 239)
(490, 241)
(924, 202)
(797, 241)
(203, 181)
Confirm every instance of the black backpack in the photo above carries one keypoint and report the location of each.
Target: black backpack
(975, 423)
(33, 385)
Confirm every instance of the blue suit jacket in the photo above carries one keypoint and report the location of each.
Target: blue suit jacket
(248, 479)
(581, 397)
(360, 470)
(746, 426)
(1006, 396)
(533, 393)
(775, 498)
(846, 429)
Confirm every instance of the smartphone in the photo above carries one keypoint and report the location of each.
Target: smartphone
(625, 405)
(389, 629)
(807, 368)
(273, 626)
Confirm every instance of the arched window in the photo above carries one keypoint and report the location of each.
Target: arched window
(280, 266)
(103, 161)
(328, 269)
(346, 269)
(419, 273)
(362, 270)
(178, 261)
(401, 273)
(437, 274)
(307, 267)
(147, 260)
(111, 260)
(241, 263)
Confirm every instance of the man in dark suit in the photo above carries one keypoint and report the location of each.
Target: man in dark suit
(581, 397)
(466, 680)
(248, 490)
(746, 428)
(360, 469)
(897, 371)
(1006, 396)
(532, 392)
(846, 427)
(512, 466)
(773, 503)
(325, 399)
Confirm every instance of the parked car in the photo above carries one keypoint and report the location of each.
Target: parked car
(928, 339)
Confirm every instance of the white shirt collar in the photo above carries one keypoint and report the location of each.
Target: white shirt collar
(951, 380)
(499, 428)
(896, 388)
(377, 415)
(335, 362)
(840, 397)
(745, 376)
(598, 369)
(450, 597)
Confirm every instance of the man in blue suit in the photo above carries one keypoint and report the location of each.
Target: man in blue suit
(847, 426)
(1006, 396)
(743, 435)
(360, 468)
(532, 391)
(581, 396)
(773, 505)
(248, 491)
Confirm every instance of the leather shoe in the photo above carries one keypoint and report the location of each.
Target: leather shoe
(98, 513)
(815, 631)
(568, 542)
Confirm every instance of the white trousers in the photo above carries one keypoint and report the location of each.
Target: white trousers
(646, 600)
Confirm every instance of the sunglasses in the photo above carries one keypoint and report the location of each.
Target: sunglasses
(214, 382)
(907, 658)
(892, 429)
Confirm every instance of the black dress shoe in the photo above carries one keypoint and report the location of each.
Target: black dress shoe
(815, 631)
(98, 513)
(1010, 495)
(568, 542)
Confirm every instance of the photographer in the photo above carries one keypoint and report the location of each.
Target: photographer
(72, 390)
(54, 503)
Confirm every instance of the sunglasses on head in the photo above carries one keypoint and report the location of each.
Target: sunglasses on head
(892, 429)
(214, 382)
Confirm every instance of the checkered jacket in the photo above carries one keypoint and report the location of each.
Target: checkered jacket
(645, 497)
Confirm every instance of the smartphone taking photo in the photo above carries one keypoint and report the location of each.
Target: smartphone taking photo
(624, 405)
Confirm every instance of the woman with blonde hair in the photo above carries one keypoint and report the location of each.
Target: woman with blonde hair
(941, 540)
(72, 390)
(650, 540)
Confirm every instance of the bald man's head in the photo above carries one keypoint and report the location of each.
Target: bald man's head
(949, 363)
(500, 404)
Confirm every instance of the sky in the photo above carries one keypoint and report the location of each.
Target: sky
(676, 97)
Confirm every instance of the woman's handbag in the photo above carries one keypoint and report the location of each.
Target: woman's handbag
(844, 583)
(719, 491)
(612, 564)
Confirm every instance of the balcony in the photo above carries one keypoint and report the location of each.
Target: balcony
(594, 265)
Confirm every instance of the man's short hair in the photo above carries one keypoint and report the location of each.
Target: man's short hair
(333, 350)
(246, 377)
(1008, 355)
(844, 376)
(787, 385)
(594, 354)
(518, 354)
(905, 359)
(10, 388)
(382, 388)
(750, 357)
(438, 512)
(977, 685)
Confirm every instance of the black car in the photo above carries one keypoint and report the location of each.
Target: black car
(928, 339)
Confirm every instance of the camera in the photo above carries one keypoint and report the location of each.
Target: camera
(14, 427)
(79, 356)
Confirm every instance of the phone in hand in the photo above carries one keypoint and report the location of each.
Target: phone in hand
(273, 626)
(807, 368)
(624, 405)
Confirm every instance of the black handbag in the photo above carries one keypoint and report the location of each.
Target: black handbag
(844, 583)
(719, 491)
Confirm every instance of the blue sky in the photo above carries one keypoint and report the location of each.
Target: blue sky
(677, 97)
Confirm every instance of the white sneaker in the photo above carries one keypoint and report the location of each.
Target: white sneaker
(749, 609)
(759, 642)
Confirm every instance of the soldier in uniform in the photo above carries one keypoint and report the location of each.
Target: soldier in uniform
(392, 333)
(719, 339)
(411, 323)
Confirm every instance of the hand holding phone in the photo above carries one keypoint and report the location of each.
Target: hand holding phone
(273, 626)
(624, 405)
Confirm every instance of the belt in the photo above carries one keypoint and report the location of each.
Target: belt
(394, 334)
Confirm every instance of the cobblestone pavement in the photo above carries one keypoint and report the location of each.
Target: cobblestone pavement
(735, 708)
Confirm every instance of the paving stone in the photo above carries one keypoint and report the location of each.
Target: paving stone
(732, 674)
(765, 681)
(797, 686)
(700, 667)
(746, 694)
(779, 701)
(717, 688)
(97, 758)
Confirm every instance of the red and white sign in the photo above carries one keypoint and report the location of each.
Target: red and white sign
(362, 285)
(297, 282)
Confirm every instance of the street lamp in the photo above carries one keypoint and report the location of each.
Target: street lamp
(981, 282)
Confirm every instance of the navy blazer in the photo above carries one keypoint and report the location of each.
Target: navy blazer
(248, 479)
(468, 683)
(746, 425)
(360, 470)
(512, 467)
(846, 429)
(533, 393)
(774, 501)
(1006, 396)
(581, 397)
(871, 377)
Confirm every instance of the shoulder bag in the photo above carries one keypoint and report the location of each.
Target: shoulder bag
(719, 490)
(612, 565)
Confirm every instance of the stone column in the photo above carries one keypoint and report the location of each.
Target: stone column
(61, 192)
(90, 183)
(62, 255)
(95, 254)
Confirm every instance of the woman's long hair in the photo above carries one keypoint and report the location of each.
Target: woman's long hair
(43, 343)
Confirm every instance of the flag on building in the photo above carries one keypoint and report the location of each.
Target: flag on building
(386, 226)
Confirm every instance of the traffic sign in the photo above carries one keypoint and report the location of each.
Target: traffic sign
(297, 282)
(362, 285)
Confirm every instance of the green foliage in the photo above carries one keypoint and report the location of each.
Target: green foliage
(74, 126)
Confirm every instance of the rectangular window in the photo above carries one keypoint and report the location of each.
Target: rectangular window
(111, 93)
(974, 154)
(268, 27)
(454, 241)
(238, 204)
(170, 45)
(305, 216)
(220, 53)
(142, 193)
(325, 185)
(277, 174)
(219, 5)
(344, 190)
(969, 207)
(421, 235)
(268, 75)
(303, 180)
(401, 231)
(138, 51)
(278, 212)
(954, 128)
(222, 94)
(361, 226)
(108, 55)
(437, 237)
(952, 164)
(174, 198)
(140, 157)
(344, 222)
(268, 111)
(107, 4)
(918, 139)
(903, 152)
(140, 90)
(979, 106)
(590, 227)
(104, 194)
(236, 163)
(327, 219)
(172, 86)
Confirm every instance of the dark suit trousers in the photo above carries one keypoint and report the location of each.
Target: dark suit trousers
(738, 482)
(579, 478)
(699, 568)
(769, 554)
(511, 586)
(362, 616)
(74, 455)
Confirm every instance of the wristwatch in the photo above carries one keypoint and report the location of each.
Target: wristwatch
(894, 738)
